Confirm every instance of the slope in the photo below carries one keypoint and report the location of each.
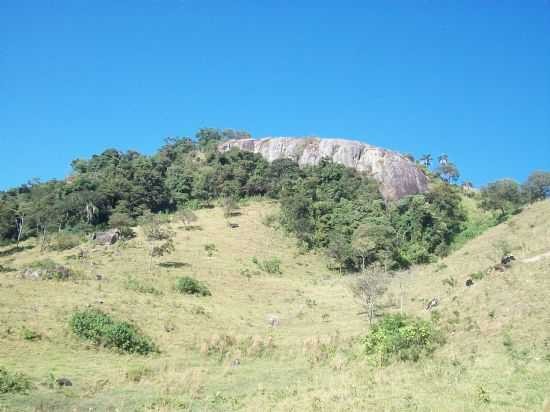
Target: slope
(283, 342)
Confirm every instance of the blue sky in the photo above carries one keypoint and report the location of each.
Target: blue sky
(469, 78)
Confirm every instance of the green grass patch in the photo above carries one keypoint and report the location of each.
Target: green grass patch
(14, 382)
(271, 266)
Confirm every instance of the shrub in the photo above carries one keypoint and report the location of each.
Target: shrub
(63, 241)
(403, 337)
(190, 286)
(210, 249)
(29, 334)
(13, 382)
(271, 266)
(101, 329)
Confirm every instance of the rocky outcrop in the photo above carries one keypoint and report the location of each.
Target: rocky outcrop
(398, 176)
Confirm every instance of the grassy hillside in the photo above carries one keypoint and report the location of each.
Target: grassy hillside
(227, 352)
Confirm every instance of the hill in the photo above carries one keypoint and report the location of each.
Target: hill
(278, 341)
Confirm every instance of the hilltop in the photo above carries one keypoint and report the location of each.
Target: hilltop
(297, 334)
(398, 175)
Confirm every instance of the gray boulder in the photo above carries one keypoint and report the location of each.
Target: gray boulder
(110, 237)
(398, 175)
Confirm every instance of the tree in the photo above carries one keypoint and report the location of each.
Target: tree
(443, 159)
(448, 172)
(159, 237)
(503, 195)
(230, 206)
(373, 240)
(187, 217)
(426, 160)
(339, 249)
(537, 186)
(368, 287)
(208, 138)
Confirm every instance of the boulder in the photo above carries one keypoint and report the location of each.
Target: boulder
(109, 237)
(397, 174)
(57, 272)
(63, 382)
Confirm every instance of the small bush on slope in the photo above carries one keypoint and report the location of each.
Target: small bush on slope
(191, 286)
(271, 266)
(101, 329)
(403, 337)
(13, 382)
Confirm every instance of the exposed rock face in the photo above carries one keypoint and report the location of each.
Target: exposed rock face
(398, 176)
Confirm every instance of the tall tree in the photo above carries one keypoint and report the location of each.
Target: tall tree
(426, 160)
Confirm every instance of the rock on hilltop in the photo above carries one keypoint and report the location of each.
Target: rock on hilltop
(398, 176)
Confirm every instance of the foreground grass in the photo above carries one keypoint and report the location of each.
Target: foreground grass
(225, 351)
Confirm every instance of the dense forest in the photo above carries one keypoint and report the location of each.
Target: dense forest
(327, 206)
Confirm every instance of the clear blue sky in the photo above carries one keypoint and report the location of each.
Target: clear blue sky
(469, 78)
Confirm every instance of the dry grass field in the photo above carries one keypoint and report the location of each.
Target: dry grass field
(279, 342)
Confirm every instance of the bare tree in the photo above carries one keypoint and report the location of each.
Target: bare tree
(187, 217)
(368, 287)
(160, 238)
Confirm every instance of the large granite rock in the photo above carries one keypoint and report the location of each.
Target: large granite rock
(398, 176)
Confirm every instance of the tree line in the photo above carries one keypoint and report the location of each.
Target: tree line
(327, 206)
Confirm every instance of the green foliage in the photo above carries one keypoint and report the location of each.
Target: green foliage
(99, 328)
(191, 286)
(503, 195)
(13, 382)
(63, 241)
(210, 249)
(341, 211)
(537, 186)
(401, 337)
(29, 334)
(448, 172)
(271, 266)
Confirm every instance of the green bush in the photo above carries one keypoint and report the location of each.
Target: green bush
(13, 382)
(29, 334)
(210, 249)
(271, 266)
(190, 286)
(403, 337)
(101, 329)
(63, 241)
